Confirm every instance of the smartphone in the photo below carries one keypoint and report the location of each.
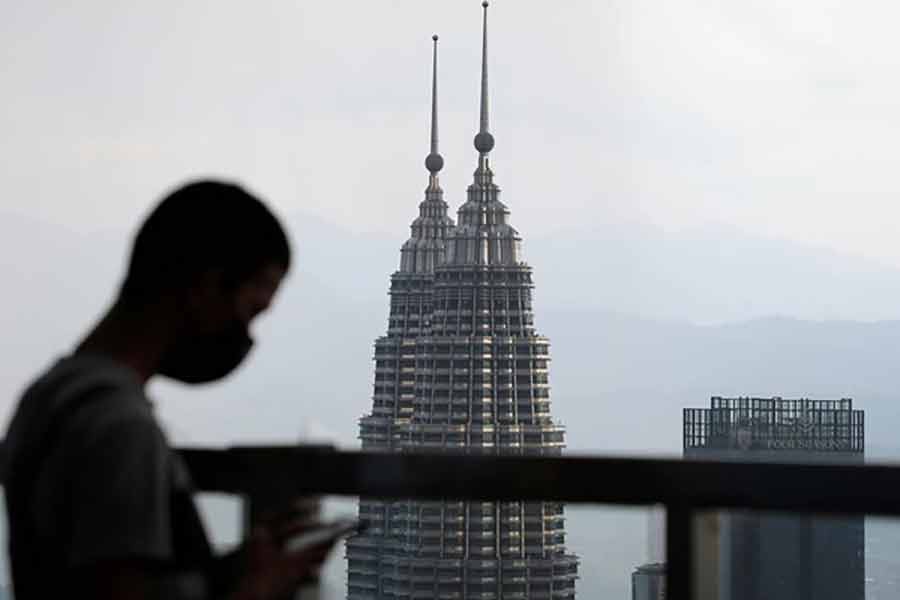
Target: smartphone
(325, 532)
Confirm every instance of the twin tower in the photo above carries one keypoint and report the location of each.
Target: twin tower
(461, 370)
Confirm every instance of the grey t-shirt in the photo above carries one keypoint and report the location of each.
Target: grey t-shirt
(105, 483)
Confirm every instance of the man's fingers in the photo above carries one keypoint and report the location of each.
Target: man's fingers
(297, 510)
(296, 529)
(287, 530)
(312, 555)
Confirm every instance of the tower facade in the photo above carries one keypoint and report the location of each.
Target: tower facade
(463, 370)
(410, 305)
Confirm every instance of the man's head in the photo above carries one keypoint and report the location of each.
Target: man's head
(214, 256)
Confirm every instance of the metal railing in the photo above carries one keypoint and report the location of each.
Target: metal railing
(264, 475)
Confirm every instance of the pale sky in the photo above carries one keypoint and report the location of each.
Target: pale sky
(770, 119)
(775, 118)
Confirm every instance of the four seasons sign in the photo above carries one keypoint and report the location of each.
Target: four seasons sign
(801, 433)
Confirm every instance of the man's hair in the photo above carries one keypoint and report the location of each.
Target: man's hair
(203, 226)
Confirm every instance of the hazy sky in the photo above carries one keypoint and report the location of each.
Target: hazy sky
(778, 118)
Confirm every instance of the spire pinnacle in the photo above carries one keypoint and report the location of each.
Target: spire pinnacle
(484, 141)
(434, 162)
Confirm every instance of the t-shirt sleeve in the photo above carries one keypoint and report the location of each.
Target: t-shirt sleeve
(121, 494)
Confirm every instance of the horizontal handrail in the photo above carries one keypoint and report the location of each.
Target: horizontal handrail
(691, 484)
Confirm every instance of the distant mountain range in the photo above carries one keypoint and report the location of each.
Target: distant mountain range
(620, 307)
(709, 275)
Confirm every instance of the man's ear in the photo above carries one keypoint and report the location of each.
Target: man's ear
(205, 294)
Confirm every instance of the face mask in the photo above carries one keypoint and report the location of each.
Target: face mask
(208, 357)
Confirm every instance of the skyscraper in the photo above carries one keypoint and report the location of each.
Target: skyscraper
(462, 370)
(773, 556)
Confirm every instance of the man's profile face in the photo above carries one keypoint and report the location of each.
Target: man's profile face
(212, 305)
(254, 296)
(214, 336)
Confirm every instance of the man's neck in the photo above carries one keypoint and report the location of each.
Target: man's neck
(134, 336)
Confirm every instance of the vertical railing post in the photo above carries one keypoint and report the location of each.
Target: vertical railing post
(679, 552)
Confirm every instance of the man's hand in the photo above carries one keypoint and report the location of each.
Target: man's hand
(270, 571)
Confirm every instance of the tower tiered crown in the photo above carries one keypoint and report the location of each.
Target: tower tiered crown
(482, 235)
(425, 248)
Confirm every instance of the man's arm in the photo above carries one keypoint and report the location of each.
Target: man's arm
(116, 580)
(268, 573)
(119, 497)
(122, 541)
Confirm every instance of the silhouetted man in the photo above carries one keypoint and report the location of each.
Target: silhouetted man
(99, 505)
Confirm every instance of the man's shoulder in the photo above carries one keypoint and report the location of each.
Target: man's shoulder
(82, 373)
(81, 395)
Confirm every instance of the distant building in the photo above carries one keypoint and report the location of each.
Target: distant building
(648, 582)
(767, 556)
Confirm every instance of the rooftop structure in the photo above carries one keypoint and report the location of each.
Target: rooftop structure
(774, 424)
(773, 556)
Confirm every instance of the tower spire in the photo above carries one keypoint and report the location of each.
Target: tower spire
(434, 162)
(484, 141)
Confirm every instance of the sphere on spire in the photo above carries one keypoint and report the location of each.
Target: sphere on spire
(434, 162)
(484, 142)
